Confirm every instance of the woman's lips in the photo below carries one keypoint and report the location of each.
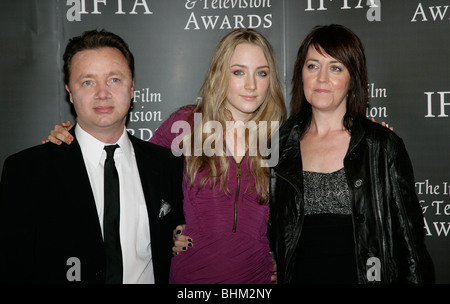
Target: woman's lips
(249, 97)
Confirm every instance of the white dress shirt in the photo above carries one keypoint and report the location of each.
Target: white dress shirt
(134, 222)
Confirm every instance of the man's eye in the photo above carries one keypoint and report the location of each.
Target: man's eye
(87, 83)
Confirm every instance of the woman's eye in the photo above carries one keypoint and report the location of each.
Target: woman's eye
(336, 69)
(311, 66)
(238, 72)
(262, 73)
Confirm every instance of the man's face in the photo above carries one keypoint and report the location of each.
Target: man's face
(101, 89)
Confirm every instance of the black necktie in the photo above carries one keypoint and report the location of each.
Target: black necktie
(114, 268)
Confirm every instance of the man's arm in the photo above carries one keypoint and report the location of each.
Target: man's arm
(16, 223)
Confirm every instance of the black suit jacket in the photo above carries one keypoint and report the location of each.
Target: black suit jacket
(48, 213)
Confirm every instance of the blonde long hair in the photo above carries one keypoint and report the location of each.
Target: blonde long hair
(211, 105)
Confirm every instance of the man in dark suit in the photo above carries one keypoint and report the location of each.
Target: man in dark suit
(52, 200)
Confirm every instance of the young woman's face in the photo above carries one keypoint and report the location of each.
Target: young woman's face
(325, 81)
(249, 81)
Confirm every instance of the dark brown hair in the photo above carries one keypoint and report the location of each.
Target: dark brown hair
(94, 40)
(342, 44)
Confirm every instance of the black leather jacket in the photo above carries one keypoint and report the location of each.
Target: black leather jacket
(387, 217)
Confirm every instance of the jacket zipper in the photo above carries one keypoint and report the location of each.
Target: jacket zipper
(238, 176)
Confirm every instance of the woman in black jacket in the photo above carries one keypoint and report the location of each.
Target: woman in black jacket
(344, 207)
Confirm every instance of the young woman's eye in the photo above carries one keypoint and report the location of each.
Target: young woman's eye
(238, 72)
(262, 73)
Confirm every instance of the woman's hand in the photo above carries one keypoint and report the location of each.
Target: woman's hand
(274, 277)
(60, 134)
(181, 242)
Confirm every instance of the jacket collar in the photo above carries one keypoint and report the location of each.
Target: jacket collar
(290, 162)
(357, 134)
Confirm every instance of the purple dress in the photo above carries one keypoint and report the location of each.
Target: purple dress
(228, 231)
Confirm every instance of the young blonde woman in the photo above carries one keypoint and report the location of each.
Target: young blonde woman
(225, 187)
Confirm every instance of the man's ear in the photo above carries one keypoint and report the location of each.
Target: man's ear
(70, 93)
(132, 90)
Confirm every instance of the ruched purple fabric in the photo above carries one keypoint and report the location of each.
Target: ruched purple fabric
(219, 255)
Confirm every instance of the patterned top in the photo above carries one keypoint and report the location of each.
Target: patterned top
(326, 193)
(325, 252)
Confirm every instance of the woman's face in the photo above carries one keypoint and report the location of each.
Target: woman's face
(249, 81)
(325, 81)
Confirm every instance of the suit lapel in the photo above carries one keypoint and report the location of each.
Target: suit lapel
(153, 189)
(156, 187)
(78, 187)
(149, 178)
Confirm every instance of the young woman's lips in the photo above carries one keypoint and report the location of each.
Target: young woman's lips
(249, 97)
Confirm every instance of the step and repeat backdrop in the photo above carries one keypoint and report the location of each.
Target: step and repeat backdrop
(407, 45)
